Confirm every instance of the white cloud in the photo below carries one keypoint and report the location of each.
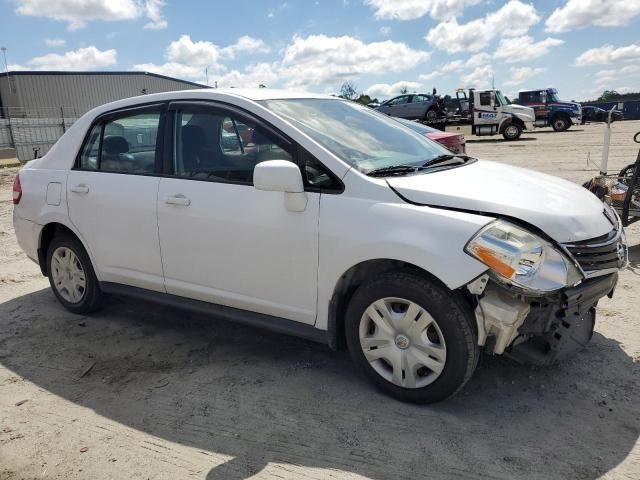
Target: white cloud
(319, 59)
(608, 79)
(477, 60)
(512, 19)
(186, 51)
(55, 42)
(582, 13)
(412, 9)
(77, 13)
(480, 77)
(609, 54)
(245, 44)
(385, 30)
(425, 77)
(172, 69)
(88, 58)
(386, 90)
(251, 77)
(523, 49)
(518, 76)
(154, 13)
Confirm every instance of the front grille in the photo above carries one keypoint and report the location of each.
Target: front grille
(602, 253)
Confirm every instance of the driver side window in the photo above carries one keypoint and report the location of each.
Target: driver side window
(214, 145)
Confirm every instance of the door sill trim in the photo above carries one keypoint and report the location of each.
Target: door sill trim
(254, 319)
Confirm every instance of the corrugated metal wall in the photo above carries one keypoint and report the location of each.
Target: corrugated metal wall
(79, 93)
(38, 108)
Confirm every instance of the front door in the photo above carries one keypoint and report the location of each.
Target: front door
(222, 240)
(112, 195)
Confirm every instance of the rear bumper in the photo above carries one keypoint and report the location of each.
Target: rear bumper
(27, 233)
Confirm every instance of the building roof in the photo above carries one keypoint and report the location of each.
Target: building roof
(16, 73)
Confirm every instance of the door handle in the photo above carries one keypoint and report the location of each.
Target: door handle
(82, 188)
(178, 199)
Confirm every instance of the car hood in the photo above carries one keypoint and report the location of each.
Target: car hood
(525, 113)
(563, 210)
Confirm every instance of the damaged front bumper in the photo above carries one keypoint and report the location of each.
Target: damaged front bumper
(537, 330)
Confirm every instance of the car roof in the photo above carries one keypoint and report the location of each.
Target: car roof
(219, 94)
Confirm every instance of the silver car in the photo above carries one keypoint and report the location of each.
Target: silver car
(411, 106)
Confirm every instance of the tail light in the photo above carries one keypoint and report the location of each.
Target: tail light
(17, 190)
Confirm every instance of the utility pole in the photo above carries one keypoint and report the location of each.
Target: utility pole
(206, 74)
(6, 68)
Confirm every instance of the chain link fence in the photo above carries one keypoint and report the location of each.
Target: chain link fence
(31, 133)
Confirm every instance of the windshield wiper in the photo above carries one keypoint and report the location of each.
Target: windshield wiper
(446, 159)
(397, 170)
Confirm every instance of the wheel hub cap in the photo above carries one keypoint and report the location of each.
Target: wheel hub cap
(68, 275)
(402, 342)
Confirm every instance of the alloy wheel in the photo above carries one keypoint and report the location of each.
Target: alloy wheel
(402, 342)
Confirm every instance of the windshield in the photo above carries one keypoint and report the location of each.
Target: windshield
(502, 99)
(362, 137)
(415, 126)
(552, 95)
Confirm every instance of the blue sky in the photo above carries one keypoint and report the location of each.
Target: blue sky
(579, 46)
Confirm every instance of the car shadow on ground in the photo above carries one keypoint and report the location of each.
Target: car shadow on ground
(265, 398)
(499, 140)
(569, 130)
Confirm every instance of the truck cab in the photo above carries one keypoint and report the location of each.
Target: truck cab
(550, 110)
(489, 112)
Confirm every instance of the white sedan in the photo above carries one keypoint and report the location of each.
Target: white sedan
(315, 216)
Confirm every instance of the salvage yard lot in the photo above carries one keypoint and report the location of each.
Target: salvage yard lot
(142, 391)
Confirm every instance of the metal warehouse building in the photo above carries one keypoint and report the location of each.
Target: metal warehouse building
(36, 107)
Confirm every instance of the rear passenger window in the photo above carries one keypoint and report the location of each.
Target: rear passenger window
(485, 99)
(91, 149)
(124, 145)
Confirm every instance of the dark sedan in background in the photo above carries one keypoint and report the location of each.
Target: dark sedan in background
(412, 106)
(597, 114)
(452, 141)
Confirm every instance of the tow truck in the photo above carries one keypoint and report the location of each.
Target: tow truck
(488, 112)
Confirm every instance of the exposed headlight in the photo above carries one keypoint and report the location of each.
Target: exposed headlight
(522, 258)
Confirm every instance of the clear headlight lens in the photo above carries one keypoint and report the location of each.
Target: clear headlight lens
(522, 258)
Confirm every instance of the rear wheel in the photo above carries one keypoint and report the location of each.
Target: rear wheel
(411, 337)
(560, 123)
(512, 131)
(431, 115)
(71, 275)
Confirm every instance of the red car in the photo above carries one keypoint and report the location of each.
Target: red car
(452, 141)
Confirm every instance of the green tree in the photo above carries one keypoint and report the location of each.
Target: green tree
(349, 90)
(404, 90)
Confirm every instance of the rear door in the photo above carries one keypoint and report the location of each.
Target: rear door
(112, 192)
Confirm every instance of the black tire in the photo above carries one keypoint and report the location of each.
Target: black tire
(453, 317)
(512, 131)
(91, 299)
(431, 115)
(560, 123)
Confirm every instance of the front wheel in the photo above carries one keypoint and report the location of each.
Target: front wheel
(512, 131)
(413, 338)
(71, 275)
(560, 124)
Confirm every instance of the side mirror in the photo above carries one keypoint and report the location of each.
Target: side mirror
(281, 176)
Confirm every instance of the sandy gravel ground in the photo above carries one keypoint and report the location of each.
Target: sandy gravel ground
(141, 391)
